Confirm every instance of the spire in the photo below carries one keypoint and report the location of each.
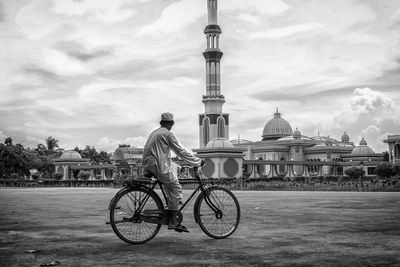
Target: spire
(213, 122)
(363, 142)
(277, 114)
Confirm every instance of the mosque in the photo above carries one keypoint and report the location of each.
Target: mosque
(281, 152)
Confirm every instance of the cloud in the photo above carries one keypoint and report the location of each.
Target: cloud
(78, 51)
(2, 16)
(260, 6)
(109, 11)
(86, 70)
(109, 145)
(370, 114)
(366, 100)
(288, 31)
(174, 17)
(3, 136)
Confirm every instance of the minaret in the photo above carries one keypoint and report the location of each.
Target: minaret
(213, 122)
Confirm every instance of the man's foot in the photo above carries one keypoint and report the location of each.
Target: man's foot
(179, 228)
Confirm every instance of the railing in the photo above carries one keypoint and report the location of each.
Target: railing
(318, 183)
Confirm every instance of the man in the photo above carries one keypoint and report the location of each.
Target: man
(157, 161)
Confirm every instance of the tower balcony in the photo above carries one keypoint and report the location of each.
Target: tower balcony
(213, 54)
(212, 28)
(217, 98)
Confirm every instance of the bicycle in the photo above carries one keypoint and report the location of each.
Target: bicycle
(137, 211)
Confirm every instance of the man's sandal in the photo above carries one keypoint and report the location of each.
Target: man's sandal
(179, 228)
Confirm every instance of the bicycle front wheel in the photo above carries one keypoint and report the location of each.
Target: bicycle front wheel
(125, 219)
(218, 212)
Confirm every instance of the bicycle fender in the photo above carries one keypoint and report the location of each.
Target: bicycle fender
(120, 191)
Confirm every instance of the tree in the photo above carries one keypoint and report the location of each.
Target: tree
(355, 173)
(396, 169)
(386, 156)
(103, 157)
(90, 153)
(78, 150)
(51, 144)
(84, 175)
(8, 141)
(384, 170)
(41, 150)
(14, 159)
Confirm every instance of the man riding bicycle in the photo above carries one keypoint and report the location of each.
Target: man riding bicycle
(157, 161)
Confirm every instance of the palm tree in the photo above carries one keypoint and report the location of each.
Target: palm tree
(51, 144)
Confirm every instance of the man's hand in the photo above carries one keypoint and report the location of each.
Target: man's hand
(202, 163)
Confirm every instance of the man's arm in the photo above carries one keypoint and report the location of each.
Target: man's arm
(182, 152)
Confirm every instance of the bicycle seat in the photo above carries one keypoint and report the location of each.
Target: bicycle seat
(139, 180)
(148, 174)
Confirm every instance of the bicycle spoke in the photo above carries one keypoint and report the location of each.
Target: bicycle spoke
(224, 221)
(125, 220)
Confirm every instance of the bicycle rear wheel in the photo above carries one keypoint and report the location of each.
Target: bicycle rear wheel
(223, 222)
(126, 222)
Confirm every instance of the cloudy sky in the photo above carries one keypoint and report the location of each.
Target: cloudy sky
(99, 73)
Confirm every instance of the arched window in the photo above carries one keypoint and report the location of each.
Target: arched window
(221, 126)
(206, 130)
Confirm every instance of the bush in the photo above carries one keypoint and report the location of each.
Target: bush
(57, 176)
(396, 169)
(35, 176)
(355, 173)
(84, 175)
(385, 170)
(14, 176)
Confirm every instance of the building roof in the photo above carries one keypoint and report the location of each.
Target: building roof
(392, 138)
(276, 127)
(71, 155)
(345, 137)
(362, 148)
(219, 143)
(126, 153)
(240, 141)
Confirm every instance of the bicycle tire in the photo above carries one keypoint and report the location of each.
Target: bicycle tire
(215, 225)
(132, 229)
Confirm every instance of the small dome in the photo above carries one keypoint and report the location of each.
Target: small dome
(328, 141)
(363, 142)
(71, 154)
(296, 134)
(363, 148)
(345, 137)
(276, 128)
(219, 143)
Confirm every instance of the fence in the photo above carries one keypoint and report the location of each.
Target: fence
(269, 184)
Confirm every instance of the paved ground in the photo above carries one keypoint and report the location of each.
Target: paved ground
(277, 229)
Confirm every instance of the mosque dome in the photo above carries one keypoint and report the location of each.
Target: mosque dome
(219, 143)
(362, 148)
(71, 155)
(345, 137)
(296, 134)
(276, 128)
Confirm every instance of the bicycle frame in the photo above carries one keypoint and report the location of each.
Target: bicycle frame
(137, 211)
(201, 187)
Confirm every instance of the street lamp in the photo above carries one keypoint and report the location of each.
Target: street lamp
(362, 173)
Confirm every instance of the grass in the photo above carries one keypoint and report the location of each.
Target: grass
(276, 229)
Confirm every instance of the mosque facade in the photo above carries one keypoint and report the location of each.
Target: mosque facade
(284, 152)
(281, 151)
